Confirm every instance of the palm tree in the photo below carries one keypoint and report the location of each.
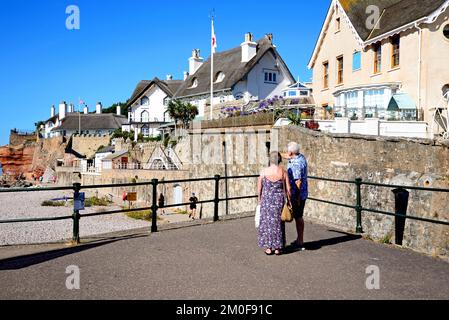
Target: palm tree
(182, 112)
(294, 118)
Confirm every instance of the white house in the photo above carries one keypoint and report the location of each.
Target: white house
(251, 72)
(147, 107)
(68, 122)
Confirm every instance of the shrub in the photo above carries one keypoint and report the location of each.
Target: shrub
(53, 203)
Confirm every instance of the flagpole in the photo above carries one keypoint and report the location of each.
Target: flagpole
(212, 68)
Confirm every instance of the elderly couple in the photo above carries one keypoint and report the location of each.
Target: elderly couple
(275, 185)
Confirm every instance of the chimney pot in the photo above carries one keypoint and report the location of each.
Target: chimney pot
(169, 77)
(249, 48)
(52, 111)
(195, 62)
(98, 108)
(86, 110)
(186, 75)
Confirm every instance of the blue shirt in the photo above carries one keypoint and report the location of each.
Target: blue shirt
(297, 170)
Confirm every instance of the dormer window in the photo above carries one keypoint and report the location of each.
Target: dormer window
(144, 101)
(219, 77)
(194, 83)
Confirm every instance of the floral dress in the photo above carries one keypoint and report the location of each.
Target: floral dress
(271, 228)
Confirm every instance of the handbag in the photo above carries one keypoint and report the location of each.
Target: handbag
(257, 216)
(287, 213)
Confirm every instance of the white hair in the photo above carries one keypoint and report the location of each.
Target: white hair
(293, 147)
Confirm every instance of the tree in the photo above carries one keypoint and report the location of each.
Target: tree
(182, 112)
(295, 119)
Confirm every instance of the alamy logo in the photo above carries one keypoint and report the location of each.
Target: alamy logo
(73, 280)
(373, 280)
(373, 13)
(73, 20)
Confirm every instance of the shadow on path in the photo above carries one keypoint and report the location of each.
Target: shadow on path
(25, 261)
(318, 244)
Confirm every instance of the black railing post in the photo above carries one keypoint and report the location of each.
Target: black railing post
(76, 214)
(154, 183)
(358, 206)
(217, 196)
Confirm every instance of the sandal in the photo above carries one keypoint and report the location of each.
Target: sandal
(278, 252)
(269, 252)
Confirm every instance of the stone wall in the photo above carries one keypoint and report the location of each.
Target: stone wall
(88, 144)
(422, 163)
(18, 139)
(66, 177)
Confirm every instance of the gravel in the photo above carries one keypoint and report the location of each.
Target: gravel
(28, 205)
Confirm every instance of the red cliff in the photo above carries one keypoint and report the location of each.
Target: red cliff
(17, 160)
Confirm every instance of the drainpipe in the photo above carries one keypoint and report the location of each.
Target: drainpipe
(419, 68)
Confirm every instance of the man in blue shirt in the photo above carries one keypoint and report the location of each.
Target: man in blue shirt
(297, 174)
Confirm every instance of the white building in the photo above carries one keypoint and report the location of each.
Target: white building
(147, 107)
(68, 122)
(253, 71)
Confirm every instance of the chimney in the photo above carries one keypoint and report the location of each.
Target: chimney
(169, 77)
(86, 110)
(249, 48)
(186, 75)
(269, 37)
(52, 111)
(195, 61)
(98, 108)
(62, 110)
(119, 110)
(71, 108)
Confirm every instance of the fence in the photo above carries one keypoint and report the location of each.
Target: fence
(358, 207)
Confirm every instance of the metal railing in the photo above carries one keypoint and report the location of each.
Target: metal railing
(359, 208)
(154, 183)
(76, 216)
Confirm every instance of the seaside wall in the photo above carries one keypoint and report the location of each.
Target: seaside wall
(88, 144)
(423, 163)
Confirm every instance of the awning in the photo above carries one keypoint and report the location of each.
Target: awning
(401, 101)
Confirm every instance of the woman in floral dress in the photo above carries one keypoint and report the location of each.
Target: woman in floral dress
(273, 188)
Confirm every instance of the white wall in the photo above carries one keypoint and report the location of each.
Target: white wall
(410, 129)
(155, 107)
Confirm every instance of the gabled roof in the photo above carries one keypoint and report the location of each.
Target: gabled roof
(91, 121)
(116, 155)
(168, 86)
(394, 16)
(229, 63)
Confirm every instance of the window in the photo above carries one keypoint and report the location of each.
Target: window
(144, 116)
(292, 93)
(446, 31)
(377, 58)
(326, 75)
(219, 77)
(395, 46)
(270, 77)
(144, 101)
(146, 130)
(356, 61)
(374, 103)
(194, 83)
(304, 93)
(222, 99)
(340, 70)
(338, 24)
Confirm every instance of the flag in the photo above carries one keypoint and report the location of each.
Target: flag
(81, 102)
(214, 38)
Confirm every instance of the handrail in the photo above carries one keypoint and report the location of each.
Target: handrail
(217, 178)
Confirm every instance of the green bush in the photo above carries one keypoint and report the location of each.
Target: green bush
(140, 215)
(53, 203)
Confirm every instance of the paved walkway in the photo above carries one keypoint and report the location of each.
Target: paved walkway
(222, 261)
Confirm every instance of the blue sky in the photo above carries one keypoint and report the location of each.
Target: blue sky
(122, 42)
